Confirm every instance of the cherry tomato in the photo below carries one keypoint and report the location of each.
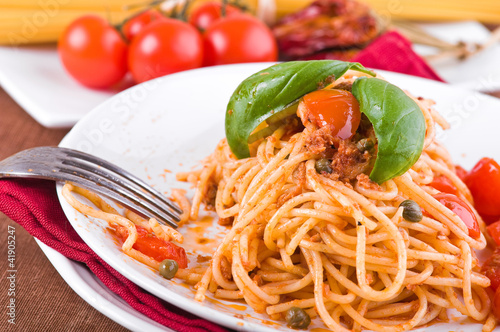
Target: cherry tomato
(93, 52)
(484, 183)
(154, 247)
(461, 172)
(338, 109)
(491, 269)
(489, 219)
(238, 38)
(443, 184)
(464, 212)
(204, 15)
(494, 230)
(164, 47)
(135, 25)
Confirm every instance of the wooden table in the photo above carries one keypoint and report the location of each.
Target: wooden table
(44, 302)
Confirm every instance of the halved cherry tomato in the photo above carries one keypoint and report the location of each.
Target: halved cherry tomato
(337, 109)
(164, 47)
(137, 23)
(154, 247)
(461, 172)
(491, 269)
(484, 183)
(204, 15)
(464, 212)
(494, 230)
(236, 39)
(93, 52)
(443, 184)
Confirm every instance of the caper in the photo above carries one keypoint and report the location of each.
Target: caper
(297, 318)
(365, 144)
(323, 165)
(168, 268)
(411, 210)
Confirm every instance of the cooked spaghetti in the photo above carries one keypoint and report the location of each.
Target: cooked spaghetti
(339, 247)
(328, 239)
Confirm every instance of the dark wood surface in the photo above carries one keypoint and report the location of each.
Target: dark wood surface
(44, 302)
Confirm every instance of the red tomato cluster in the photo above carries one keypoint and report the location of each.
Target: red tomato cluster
(150, 45)
(484, 183)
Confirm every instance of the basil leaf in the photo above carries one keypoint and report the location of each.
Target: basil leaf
(273, 89)
(398, 123)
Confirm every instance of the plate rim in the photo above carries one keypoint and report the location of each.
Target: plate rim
(178, 300)
(67, 269)
(207, 313)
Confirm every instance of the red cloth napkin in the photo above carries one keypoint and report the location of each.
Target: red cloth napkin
(391, 51)
(33, 204)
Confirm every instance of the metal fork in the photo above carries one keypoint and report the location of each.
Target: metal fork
(95, 174)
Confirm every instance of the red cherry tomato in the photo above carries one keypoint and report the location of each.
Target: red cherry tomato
(238, 38)
(491, 269)
(204, 15)
(494, 230)
(489, 219)
(337, 109)
(464, 212)
(93, 52)
(154, 247)
(164, 47)
(461, 172)
(484, 183)
(443, 184)
(135, 25)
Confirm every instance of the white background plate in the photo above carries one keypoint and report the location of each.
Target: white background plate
(168, 125)
(35, 78)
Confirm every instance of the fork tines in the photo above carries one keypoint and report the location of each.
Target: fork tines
(98, 175)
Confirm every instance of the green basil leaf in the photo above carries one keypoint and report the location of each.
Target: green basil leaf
(398, 123)
(273, 89)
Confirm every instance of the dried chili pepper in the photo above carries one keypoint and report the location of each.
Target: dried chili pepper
(337, 25)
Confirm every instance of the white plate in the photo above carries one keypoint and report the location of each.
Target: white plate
(35, 78)
(168, 125)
